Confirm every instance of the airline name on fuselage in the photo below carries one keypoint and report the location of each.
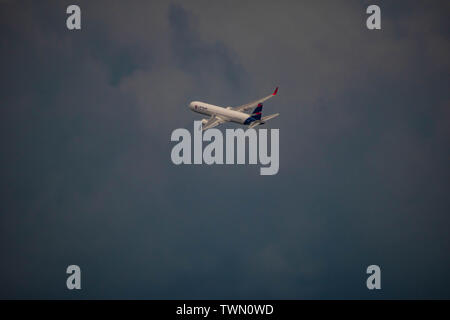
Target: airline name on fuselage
(200, 107)
(228, 113)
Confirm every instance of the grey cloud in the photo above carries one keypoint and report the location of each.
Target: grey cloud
(86, 175)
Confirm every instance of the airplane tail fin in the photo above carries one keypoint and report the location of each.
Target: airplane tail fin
(256, 114)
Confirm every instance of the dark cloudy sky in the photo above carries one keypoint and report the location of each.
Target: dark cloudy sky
(85, 170)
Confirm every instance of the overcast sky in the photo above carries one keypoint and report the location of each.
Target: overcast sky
(86, 176)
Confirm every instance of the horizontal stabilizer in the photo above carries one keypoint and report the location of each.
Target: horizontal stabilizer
(255, 123)
(270, 117)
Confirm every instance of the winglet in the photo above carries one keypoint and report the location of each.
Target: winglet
(275, 92)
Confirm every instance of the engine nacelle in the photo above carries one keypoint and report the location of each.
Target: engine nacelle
(204, 121)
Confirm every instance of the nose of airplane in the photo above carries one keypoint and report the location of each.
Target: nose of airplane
(191, 105)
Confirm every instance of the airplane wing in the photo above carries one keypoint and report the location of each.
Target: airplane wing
(253, 104)
(212, 122)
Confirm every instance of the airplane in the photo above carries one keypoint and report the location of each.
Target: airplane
(219, 115)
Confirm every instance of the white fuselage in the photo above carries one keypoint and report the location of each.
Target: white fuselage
(224, 113)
